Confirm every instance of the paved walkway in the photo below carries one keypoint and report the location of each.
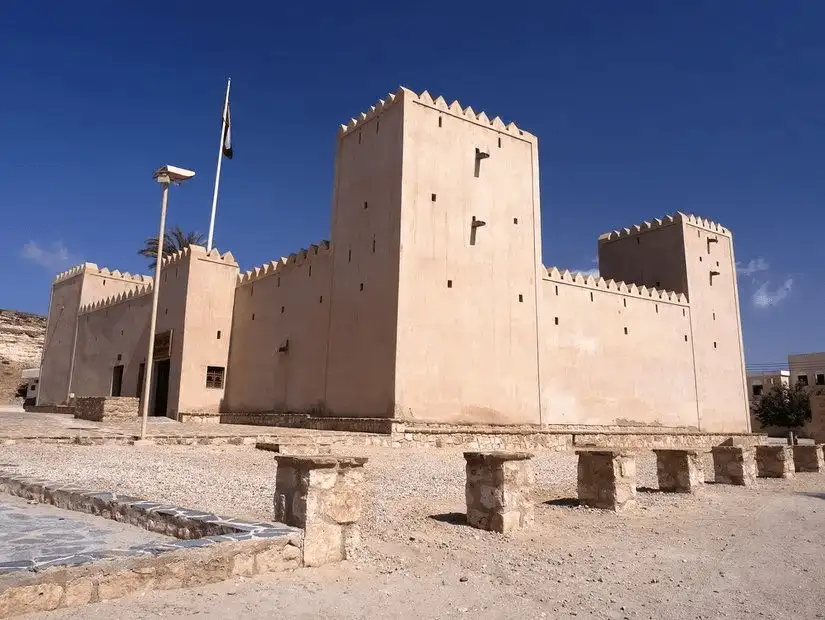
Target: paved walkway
(39, 534)
(16, 425)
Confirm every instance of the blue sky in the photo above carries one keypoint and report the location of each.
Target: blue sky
(641, 108)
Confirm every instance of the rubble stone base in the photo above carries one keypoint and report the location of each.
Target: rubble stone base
(498, 490)
(323, 495)
(809, 458)
(101, 408)
(774, 461)
(679, 471)
(734, 465)
(606, 479)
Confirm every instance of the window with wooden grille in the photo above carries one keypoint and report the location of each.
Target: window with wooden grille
(214, 377)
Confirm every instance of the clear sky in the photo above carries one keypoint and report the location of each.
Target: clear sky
(642, 108)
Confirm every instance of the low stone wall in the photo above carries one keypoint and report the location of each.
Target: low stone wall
(305, 420)
(102, 408)
(209, 549)
(199, 417)
(49, 409)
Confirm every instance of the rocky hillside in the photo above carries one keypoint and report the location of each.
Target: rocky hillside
(21, 343)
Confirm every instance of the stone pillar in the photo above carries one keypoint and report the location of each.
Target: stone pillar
(499, 490)
(679, 471)
(323, 496)
(808, 458)
(774, 461)
(734, 465)
(607, 479)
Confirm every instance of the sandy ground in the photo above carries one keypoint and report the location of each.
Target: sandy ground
(730, 552)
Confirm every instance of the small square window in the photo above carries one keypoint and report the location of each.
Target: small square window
(802, 380)
(449, 284)
(757, 390)
(219, 334)
(214, 377)
(625, 331)
(432, 197)
(556, 320)
(820, 379)
(521, 298)
(515, 220)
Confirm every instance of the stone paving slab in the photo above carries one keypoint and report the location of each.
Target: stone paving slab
(188, 528)
(34, 534)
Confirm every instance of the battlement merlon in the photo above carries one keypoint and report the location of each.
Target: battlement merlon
(575, 278)
(213, 255)
(301, 257)
(452, 109)
(107, 302)
(679, 217)
(92, 268)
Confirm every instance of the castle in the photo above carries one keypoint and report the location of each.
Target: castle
(430, 304)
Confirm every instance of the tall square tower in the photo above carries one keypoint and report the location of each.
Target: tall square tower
(436, 259)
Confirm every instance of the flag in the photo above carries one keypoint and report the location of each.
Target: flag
(227, 134)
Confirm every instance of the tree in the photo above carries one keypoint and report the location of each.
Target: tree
(174, 240)
(784, 406)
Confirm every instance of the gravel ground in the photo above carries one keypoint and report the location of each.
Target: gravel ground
(728, 552)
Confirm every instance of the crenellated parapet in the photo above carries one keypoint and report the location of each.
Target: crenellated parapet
(91, 268)
(622, 288)
(286, 264)
(439, 103)
(678, 218)
(106, 302)
(214, 254)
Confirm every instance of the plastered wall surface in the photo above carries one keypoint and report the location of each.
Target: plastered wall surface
(283, 305)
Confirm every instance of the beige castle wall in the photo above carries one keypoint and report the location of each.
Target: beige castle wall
(467, 352)
(364, 277)
(209, 300)
(595, 373)
(260, 378)
(72, 289)
(104, 334)
(194, 301)
(676, 253)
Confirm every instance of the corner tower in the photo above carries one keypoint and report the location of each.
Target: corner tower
(436, 235)
(694, 256)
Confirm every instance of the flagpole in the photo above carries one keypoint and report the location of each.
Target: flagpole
(218, 173)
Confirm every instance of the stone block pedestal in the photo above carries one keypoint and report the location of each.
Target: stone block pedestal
(607, 479)
(809, 458)
(734, 465)
(499, 490)
(774, 461)
(323, 495)
(679, 471)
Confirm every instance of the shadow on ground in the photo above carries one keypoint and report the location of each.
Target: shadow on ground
(453, 518)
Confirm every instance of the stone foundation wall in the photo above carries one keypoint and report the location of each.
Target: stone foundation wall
(49, 409)
(101, 408)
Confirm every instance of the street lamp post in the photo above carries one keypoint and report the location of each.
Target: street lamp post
(165, 176)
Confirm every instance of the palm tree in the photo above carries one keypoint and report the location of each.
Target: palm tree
(174, 240)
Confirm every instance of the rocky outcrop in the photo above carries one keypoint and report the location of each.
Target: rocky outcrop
(21, 345)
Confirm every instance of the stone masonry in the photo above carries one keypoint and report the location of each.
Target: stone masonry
(734, 465)
(498, 490)
(774, 461)
(679, 471)
(607, 479)
(323, 495)
(809, 458)
(102, 408)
